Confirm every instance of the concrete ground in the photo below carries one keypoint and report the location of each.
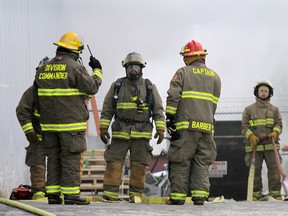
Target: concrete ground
(223, 208)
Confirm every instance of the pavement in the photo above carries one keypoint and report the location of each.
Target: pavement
(223, 208)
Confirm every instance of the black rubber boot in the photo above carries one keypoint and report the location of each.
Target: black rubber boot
(76, 200)
(174, 202)
(198, 200)
(54, 199)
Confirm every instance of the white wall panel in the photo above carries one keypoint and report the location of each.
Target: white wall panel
(27, 30)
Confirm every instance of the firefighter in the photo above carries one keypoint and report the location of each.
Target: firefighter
(134, 102)
(27, 112)
(190, 107)
(260, 122)
(63, 86)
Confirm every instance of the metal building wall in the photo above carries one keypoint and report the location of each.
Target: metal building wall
(27, 30)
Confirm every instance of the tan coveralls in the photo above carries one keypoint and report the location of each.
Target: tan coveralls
(192, 98)
(28, 117)
(63, 85)
(261, 118)
(131, 130)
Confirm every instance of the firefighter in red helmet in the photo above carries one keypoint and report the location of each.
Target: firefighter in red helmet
(190, 107)
(260, 122)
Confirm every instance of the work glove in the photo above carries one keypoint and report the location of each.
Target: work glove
(274, 135)
(94, 63)
(170, 123)
(160, 135)
(253, 140)
(42, 62)
(32, 137)
(104, 135)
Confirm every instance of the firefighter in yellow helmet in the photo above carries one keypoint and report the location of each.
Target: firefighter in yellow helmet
(133, 102)
(260, 122)
(27, 112)
(63, 86)
(190, 107)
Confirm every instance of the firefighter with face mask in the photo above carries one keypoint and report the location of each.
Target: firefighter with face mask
(63, 86)
(27, 112)
(262, 121)
(191, 104)
(133, 102)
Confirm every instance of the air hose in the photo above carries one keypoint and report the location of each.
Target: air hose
(25, 207)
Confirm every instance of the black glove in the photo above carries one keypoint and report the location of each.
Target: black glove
(94, 63)
(32, 137)
(170, 123)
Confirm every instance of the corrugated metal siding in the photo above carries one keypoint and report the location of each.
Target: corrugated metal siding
(27, 30)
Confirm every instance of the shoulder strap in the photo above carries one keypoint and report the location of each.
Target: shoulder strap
(149, 96)
(117, 86)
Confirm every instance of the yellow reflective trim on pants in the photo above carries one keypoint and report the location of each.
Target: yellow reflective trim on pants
(199, 193)
(52, 189)
(111, 194)
(70, 190)
(178, 196)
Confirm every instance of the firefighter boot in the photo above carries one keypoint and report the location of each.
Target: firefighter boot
(39, 195)
(54, 199)
(76, 200)
(135, 198)
(198, 200)
(174, 202)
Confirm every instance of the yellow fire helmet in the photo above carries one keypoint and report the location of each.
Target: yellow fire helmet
(71, 41)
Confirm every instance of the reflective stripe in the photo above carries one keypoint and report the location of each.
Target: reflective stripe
(277, 130)
(132, 134)
(59, 92)
(248, 133)
(178, 196)
(129, 105)
(199, 193)
(137, 135)
(182, 125)
(171, 110)
(70, 190)
(64, 127)
(261, 148)
(200, 95)
(27, 127)
(105, 122)
(51, 189)
(39, 137)
(97, 72)
(111, 194)
(263, 122)
(160, 124)
(36, 113)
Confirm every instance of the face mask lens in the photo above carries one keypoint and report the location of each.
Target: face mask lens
(135, 68)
